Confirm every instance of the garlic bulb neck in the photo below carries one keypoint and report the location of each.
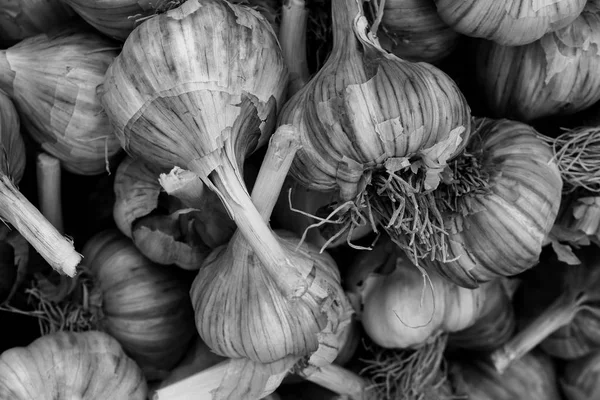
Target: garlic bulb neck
(346, 12)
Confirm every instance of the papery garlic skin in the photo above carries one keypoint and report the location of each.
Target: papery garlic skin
(52, 79)
(508, 22)
(555, 75)
(242, 311)
(365, 106)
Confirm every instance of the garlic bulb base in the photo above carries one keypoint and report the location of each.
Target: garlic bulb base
(57, 250)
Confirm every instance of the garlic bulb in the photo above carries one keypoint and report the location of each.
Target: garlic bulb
(531, 378)
(579, 380)
(16, 209)
(118, 18)
(369, 122)
(25, 18)
(143, 305)
(65, 366)
(52, 79)
(271, 314)
(508, 22)
(499, 228)
(555, 75)
(178, 235)
(399, 308)
(202, 102)
(413, 30)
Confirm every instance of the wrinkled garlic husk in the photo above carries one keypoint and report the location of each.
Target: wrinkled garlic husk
(143, 305)
(399, 307)
(555, 75)
(69, 365)
(17, 210)
(494, 326)
(178, 235)
(413, 30)
(202, 102)
(25, 18)
(508, 22)
(118, 18)
(531, 378)
(366, 106)
(501, 233)
(52, 79)
(580, 379)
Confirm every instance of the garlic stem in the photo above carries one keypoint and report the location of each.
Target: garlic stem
(292, 38)
(251, 224)
(339, 380)
(343, 15)
(48, 174)
(7, 75)
(560, 313)
(185, 185)
(282, 149)
(35, 228)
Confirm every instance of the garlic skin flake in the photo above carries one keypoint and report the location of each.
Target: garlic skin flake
(508, 22)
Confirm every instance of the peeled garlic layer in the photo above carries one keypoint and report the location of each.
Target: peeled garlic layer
(508, 22)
